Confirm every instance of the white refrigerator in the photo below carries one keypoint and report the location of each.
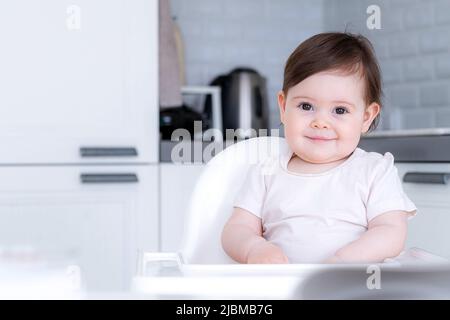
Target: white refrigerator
(79, 134)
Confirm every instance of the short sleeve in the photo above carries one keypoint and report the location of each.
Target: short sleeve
(252, 193)
(386, 191)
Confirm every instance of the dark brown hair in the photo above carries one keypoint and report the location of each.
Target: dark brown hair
(338, 51)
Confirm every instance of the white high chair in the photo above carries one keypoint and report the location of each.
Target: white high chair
(212, 202)
(202, 270)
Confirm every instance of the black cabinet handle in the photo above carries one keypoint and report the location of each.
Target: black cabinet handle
(109, 178)
(427, 177)
(87, 152)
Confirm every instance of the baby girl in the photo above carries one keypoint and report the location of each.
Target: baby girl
(329, 201)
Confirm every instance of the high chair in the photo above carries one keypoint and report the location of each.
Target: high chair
(212, 202)
(201, 269)
(212, 199)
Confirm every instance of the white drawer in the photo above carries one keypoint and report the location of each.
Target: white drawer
(429, 229)
(427, 193)
(95, 221)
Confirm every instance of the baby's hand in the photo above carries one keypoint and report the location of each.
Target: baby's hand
(334, 260)
(266, 252)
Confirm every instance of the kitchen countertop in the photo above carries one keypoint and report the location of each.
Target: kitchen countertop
(418, 145)
(166, 147)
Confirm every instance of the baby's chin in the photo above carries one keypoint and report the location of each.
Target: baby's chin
(321, 154)
(319, 157)
(316, 160)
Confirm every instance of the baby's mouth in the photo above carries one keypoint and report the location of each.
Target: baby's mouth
(319, 139)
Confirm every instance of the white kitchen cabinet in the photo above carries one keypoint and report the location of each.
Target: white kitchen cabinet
(177, 184)
(79, 74)
(83, 215)
(429, 229)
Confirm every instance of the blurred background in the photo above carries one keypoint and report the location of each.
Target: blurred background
(412, 47)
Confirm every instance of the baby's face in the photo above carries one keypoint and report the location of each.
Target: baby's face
(324, 116)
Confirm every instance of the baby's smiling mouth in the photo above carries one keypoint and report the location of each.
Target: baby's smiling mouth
(320, 139)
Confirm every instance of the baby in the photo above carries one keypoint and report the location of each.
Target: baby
(329, 201)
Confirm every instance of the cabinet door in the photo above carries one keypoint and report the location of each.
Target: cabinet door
(88, 216)
(177, 185)
(80, 74)
(429, 229)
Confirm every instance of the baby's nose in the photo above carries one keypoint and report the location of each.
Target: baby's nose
(320, 124)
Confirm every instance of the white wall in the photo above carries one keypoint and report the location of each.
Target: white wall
(413, 46)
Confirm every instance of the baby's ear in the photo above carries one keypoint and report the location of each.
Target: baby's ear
(281, 104)
(369, 115)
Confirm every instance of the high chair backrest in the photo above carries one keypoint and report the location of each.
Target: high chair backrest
(212, 199)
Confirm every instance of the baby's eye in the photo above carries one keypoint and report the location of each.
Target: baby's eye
(341, 110)
(305, 106)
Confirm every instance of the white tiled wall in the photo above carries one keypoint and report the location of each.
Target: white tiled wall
(220, 35)
(413, 46)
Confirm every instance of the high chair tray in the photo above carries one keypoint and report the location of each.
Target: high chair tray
(176, 280)
(299, 282)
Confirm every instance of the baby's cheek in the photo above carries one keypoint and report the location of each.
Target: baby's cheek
(348, 143)
(294, 135)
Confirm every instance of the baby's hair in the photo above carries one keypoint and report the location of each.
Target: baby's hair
(336, 51)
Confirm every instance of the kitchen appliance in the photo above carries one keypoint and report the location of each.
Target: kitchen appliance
(182, 117)
(244, 102)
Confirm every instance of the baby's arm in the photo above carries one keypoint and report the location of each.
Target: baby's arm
(242, 240)
(385, 238)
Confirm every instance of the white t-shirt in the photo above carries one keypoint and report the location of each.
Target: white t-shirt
(311, 216)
